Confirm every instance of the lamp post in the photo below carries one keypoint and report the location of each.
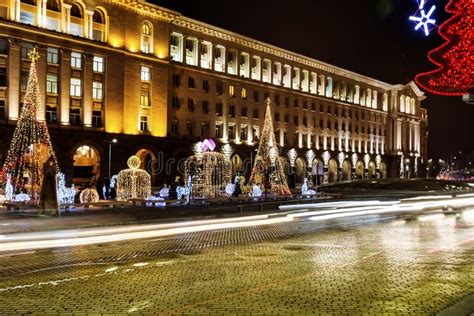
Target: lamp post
(113, 141)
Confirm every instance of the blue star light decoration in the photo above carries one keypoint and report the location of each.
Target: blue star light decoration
(424, 19)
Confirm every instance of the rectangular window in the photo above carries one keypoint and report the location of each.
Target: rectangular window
(295, 120)
(243, 111)
(232, 110)
(174, 127)
(255, 95)
(277, 117)
(219, 88)
(231, 132)
(75, 117)
(97, 90)
(219, 130)
(76, 60)
(231, 91)
(296, 103)
(97, 118)
(219, 109)
(255, 113)
(190, 128)
(277, 99)
(145, 98)
(52, 55)
(75, 87)
(98, 64)
(3, 77)
(175, 103)
(25, 50)
(244, 132)
(205, 86)
(287, 101)
(51, 83)
(145, 73)
(2, 110)
(176, 80)
(243, 94)
(24, 79)
(191, 82)
(51, 115)
(205, 107)
(190, 105)
(287, 118)
(143, 123)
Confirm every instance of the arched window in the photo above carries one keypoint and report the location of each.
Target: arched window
(53, 5)
(77, 20)
(99, 28)
(147, 37)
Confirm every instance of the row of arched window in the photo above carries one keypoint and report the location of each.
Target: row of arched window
(55, 15)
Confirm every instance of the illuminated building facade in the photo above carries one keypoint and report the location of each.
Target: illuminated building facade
(160, 82)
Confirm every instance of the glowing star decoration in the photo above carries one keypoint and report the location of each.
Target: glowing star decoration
(424, 19)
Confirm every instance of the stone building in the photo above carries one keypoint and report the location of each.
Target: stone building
(160, 83)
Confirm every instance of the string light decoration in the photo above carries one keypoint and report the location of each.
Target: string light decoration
(268, 164)
(31, 144)
(455, 76)
(66, 195)
(210, 172)
(133, 183)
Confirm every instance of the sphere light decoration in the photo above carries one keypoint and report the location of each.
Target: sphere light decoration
(89, 195)
(133, 183)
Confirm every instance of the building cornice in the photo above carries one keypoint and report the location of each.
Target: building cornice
(145, 8)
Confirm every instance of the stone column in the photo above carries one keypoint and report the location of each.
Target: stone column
(14, 66)
(66, 18)
(87, 88)
(88, 26)
(65, 82)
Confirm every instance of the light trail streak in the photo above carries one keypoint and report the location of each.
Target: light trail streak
(114, 237)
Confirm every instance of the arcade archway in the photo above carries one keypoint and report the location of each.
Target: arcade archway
(86, 165)
(359, 169)
(372, 170)
(332, 171)
(300, 169)
(346, 170)
(383, 170)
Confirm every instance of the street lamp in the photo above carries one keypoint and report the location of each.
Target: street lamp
(113, 141)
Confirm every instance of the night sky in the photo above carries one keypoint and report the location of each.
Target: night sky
(370, 37)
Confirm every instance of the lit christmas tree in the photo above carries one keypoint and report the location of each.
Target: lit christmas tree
(455, 57)
(268, 167)
(31, 145)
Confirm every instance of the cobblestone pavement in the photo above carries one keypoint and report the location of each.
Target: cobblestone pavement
(347, 266)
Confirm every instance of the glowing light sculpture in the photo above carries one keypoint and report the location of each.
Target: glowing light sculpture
(424, 19)
(31, 145)
(267, 162)
(89, 195)
(210, 173)
(133, 183)
(305, 190)
(66, 195)
(454, 58)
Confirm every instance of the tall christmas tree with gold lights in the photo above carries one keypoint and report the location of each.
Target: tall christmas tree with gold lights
(31, 144)
(268, 171)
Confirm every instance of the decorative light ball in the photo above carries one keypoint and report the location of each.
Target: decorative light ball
(89, 196)
(134, 162)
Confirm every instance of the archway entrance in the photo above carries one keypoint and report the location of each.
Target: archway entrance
(359, 170)
(86, 165)
(383, 170)
(372, 171)
(300, 169)
(317, 170)
(148, 158)
(346, 170)
(332, 171)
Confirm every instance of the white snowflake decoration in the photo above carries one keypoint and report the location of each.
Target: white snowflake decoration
(22, 197)
(165, 192)
(424, 20)
(256, 191)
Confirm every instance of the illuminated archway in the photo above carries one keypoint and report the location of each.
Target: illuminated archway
(86, 164)
(317, 170)
(372, 170)
(383, 170)
(359, 170)
(332, 171)
(346, 170)
(300, 169)
(147, 161)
